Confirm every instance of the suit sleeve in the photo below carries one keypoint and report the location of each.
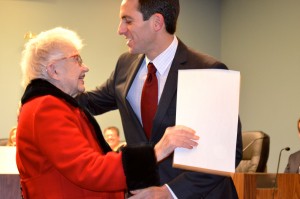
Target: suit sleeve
(100, 100)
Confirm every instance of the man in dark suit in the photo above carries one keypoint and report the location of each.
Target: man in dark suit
(149, 28)
(293, 165)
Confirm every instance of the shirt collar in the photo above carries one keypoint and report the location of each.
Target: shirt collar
(164, 60)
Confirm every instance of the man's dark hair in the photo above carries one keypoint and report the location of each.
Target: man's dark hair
(169, 9)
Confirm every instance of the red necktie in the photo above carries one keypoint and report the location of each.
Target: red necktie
(149, 99)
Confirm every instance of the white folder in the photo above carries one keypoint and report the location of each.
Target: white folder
(208, 102)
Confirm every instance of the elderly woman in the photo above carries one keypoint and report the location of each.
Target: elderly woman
(60, 149)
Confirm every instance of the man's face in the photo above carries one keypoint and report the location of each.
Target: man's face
(111, 138)
(139, 33)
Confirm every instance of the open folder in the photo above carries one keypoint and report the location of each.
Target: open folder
(208, 102)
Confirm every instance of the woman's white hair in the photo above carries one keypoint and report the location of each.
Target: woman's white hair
(43, 49)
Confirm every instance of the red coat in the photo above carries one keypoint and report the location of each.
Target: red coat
(58, 156)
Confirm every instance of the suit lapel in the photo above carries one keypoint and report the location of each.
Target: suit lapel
(134, 68)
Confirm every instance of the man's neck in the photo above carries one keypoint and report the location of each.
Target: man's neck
(163, 43)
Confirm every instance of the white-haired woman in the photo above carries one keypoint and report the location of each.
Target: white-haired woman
(60, 149)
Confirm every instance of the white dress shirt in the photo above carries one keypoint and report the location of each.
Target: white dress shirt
(163, 64)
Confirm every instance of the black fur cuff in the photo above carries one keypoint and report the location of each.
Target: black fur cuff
(140, 167)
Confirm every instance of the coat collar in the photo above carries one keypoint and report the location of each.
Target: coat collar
(40, 87)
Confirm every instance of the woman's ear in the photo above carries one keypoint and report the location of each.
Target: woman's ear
(51, 71)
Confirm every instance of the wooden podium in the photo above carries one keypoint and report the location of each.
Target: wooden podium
(10, 186)
(9, 174)
(261, 186)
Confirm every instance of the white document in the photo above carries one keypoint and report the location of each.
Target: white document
(208, 102)
(8, 163)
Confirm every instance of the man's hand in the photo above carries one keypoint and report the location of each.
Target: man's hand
(151, 192)
(176, 136)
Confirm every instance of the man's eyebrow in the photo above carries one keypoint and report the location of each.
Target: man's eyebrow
(126, 17)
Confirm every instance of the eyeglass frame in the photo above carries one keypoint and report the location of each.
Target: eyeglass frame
(76, 57)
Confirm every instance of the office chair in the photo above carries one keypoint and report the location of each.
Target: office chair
(256, 147)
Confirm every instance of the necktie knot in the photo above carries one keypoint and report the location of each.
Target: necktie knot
(151, 68)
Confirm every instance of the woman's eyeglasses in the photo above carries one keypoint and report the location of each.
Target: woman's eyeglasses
(76, 58)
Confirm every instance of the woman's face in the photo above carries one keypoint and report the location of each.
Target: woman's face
(69, 72)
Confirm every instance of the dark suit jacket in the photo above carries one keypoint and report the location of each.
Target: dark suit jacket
(112, 95)
(293, 165)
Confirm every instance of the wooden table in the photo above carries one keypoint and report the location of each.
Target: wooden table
(247, 186)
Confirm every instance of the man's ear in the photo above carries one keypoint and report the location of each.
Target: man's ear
(51, 70)
(158, 21)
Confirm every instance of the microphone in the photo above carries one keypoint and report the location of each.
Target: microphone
(276, 175)
(250, 144)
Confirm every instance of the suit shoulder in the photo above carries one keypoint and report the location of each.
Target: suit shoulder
(199, 59)
(206, 60)
(297, 153)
